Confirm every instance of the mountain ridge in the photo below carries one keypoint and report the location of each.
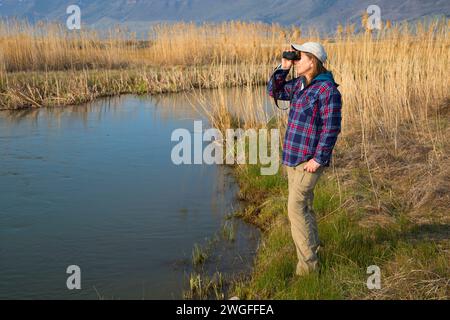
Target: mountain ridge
(322, 15)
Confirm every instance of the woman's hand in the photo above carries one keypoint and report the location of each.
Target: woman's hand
(311, 166)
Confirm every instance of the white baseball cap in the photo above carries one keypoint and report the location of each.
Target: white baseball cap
(312, 47)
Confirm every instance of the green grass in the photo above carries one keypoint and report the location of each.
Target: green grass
(228, 231)
(205, 287)
(348, 248)
(199, 255)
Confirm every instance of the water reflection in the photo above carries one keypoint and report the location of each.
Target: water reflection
(93, 185)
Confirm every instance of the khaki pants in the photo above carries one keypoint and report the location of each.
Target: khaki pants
(302, 217)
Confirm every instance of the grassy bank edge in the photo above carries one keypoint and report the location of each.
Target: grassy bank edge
(412, 267)
(34, 89)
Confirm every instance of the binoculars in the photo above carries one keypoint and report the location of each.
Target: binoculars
(291, 55)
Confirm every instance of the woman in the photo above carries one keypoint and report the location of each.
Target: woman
(313, 126)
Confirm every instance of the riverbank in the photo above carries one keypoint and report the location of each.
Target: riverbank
(389, 210)
(45, 64)
(383, 202)
(36, 89)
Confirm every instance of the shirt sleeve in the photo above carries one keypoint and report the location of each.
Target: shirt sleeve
(278, 82)
(330, 112)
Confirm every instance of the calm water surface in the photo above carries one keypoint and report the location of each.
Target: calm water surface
(94, 186)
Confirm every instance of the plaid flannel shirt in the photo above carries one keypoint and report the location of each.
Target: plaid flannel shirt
(314, 117)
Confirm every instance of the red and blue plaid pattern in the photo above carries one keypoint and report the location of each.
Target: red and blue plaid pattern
(314, 117)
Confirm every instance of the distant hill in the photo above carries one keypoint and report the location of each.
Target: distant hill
(323, 15)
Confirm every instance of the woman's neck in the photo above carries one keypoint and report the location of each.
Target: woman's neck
(309, 78)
